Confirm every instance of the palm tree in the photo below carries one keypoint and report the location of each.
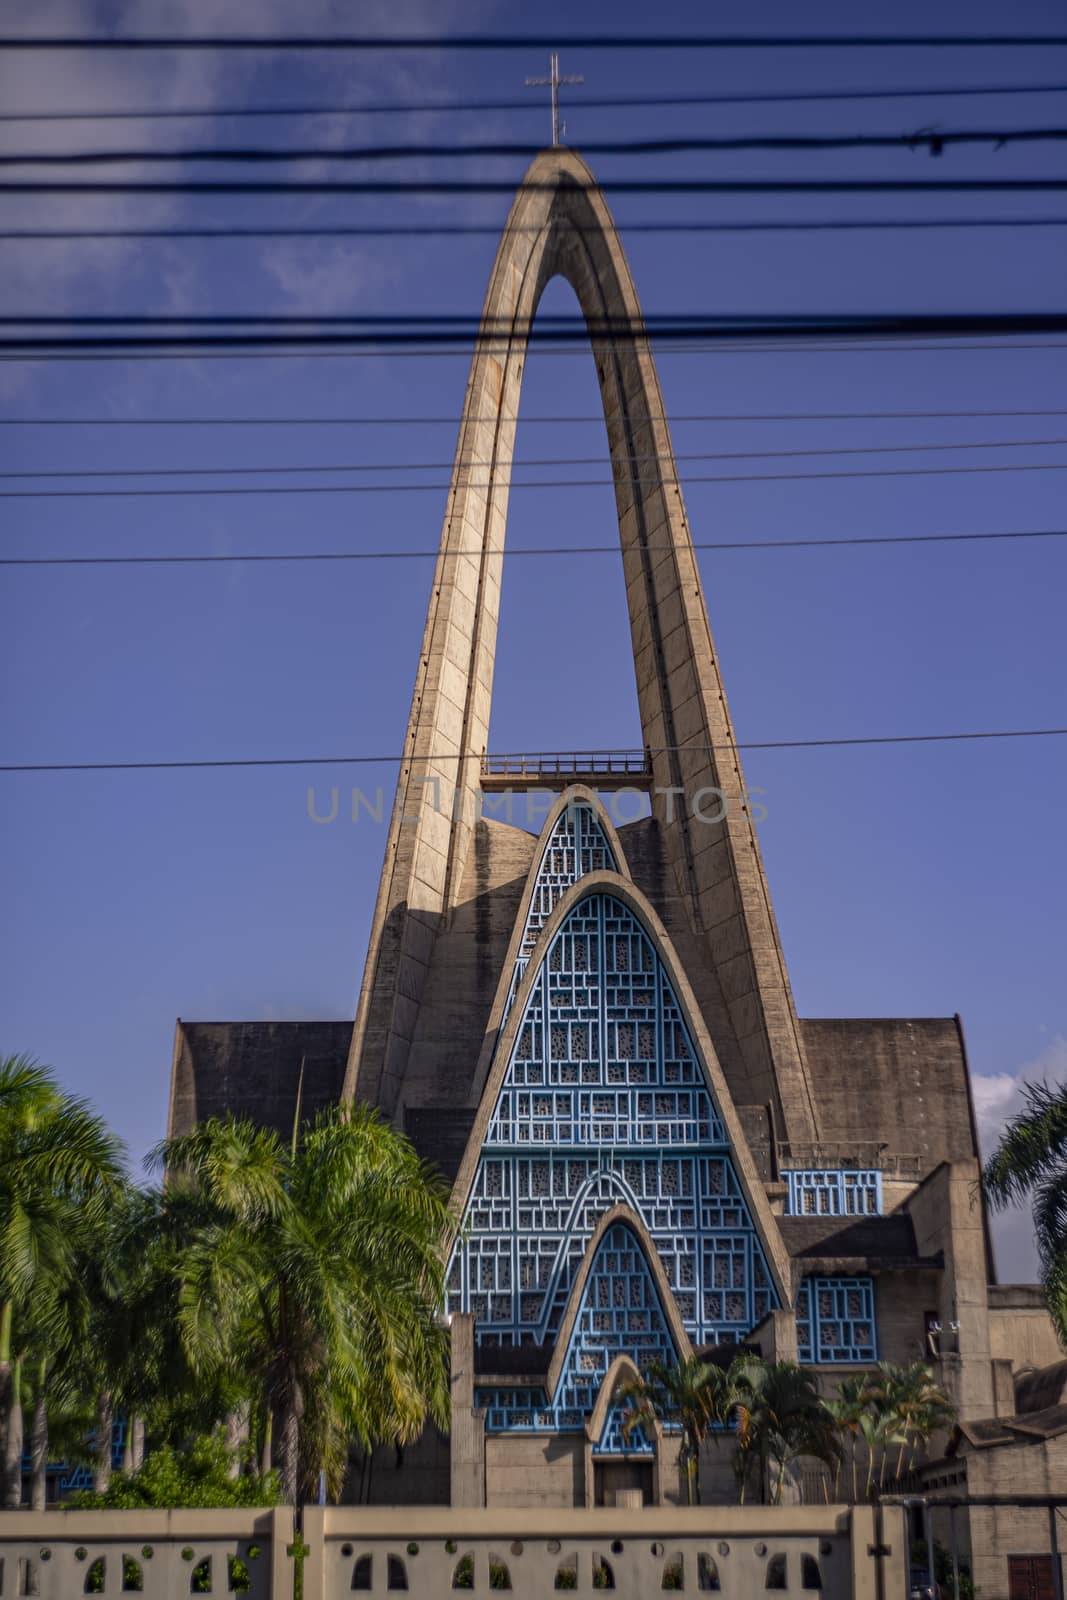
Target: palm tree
(780, 1417)
(847, 1409)
(694, 1394)
(1031, 1163)
(57, 1162)
(315, 1272)
(917, 1404)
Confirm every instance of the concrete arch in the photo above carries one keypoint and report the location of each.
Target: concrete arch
(597, 883)
(560, 225)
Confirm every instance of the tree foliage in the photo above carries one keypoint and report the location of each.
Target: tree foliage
(1030, 1163)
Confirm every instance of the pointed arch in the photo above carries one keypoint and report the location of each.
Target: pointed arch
(560, 225)
(717, 1203)
(591, 833)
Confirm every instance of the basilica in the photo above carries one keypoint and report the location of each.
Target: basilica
(591, 1031)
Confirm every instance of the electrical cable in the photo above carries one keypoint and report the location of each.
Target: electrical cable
(528, 105)
(407, 758)
(526, 550)
(935, 140)
(534, 483)
(543, 461)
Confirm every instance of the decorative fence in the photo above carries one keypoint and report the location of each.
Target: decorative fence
(58, 1555)
(436, 1552)
(740, 1551)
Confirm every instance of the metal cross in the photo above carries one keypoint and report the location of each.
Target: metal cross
(553, 82)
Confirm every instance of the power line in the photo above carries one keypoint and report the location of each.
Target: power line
(400, 187)
(462, 352)
(454, 421)
(406, 42)
(437, 329)
(377, 760)
(542, 461)
(492, 230)
(534, 483)
(933, 140)
(523, 550)
(468, 107)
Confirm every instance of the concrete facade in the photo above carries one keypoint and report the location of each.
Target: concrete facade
(455, 965)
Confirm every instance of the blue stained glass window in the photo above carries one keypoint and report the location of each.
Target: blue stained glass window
(620, 1313)
(835, 1192)
(604, 1102)
(835, 1320)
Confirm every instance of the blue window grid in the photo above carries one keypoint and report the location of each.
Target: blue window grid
(620, 1313)
(604, 1101)
(835, 1192)
(835, 1321)
(81, 1477)
(576, 846)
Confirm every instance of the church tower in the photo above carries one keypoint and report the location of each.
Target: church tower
(591, 1032)
(560, 225)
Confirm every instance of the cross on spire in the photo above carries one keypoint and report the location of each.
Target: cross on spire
(553, 82)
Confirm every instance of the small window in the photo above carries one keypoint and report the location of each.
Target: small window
(200, 1582)
(396, 1573)
(95, 1578)
(463, 1571)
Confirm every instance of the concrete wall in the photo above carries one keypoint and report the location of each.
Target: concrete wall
(524, 1470)
(50, 1553)
(637, 1545)
(947, 1216)
(1020, 1328)
(999, 1531)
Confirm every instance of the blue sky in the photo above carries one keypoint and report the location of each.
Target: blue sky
(907, 880)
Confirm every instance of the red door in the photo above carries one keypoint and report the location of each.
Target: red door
(1030, 1578)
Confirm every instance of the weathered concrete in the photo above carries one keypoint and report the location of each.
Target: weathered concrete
(560, 225)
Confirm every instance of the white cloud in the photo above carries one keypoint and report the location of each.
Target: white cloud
(998, 1097)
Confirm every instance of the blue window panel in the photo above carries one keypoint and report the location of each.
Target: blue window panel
(604, 1102)
(834, 1192)
(620, 1314)
(81, 1477)
(835, 1321)
(576, 846)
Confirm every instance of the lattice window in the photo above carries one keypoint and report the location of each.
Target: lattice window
(835, 1320)
(604, 1101)
(620, 1312)
(576, 846)
(835, 1192)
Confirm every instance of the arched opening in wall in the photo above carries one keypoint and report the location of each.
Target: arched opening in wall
(776, 1573)
(603, 1572)
(463, 1571)
(133, 1576)
(810, 1576)
(707, 1572)
(567, 1573)
(363, 1574)
(201, 1581)
(564, 677)
(673, 1573)
(95, 1578)
(396, 1573)
(499, 1576)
